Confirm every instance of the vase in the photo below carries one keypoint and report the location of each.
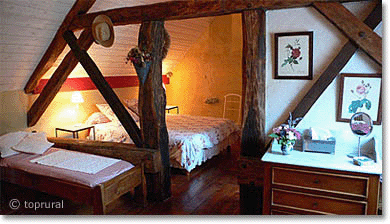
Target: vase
(286, 149)
(142, 72)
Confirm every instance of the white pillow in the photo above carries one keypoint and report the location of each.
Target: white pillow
(34, 143)
(106, 110)
(97, 118)
(9, 140)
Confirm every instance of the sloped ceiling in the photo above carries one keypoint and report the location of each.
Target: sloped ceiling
(27, 28)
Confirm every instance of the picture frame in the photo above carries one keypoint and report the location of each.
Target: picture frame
(360, 93)
(294, 55)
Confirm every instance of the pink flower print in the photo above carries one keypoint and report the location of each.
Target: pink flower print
(360, 89)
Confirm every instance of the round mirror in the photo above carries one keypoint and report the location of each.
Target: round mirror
(361, 124)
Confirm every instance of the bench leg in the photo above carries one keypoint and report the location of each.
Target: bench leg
(97, 201)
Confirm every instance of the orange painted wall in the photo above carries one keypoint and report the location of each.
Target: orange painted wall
(210, 69)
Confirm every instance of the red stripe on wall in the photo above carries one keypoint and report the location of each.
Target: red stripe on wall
(85, 83)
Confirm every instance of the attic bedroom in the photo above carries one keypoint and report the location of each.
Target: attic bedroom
(203, 131)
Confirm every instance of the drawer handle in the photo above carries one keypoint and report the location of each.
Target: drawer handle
(316, 181)
(315, 205)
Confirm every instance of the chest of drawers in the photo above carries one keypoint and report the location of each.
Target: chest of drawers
(295, 189)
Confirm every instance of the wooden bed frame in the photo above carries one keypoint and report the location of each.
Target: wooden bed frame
(150, 158)
(99, 196)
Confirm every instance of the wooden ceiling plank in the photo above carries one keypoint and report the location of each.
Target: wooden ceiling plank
(58, 78)
(353, 28)
(334, 68)
(104, 88)
(57, 45)
(177, 10)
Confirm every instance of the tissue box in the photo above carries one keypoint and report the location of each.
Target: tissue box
(321, 146)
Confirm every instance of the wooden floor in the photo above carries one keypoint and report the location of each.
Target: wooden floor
(211, 189)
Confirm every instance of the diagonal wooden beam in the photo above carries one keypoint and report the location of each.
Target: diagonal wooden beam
(58, 78)
(176, 10)
(352, 27)
(57, 45)
(334, 67)
(105, 89)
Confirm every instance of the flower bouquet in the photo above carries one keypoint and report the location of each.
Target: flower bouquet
(286, 135)
(141, 61)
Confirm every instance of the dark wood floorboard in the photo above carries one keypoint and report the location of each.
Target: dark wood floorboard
(210, 189)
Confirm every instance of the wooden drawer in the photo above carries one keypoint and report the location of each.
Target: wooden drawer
(122, 184)
(315, 203)
(280, 212)
(336, 183)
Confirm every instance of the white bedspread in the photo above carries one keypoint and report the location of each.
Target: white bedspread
(76, 161)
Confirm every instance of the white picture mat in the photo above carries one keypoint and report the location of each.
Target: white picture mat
(350, 83)
(301, 69)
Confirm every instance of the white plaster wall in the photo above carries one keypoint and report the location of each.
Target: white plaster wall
(283, 95)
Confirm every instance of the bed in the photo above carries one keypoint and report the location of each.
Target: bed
(97, 187)
(192, 139)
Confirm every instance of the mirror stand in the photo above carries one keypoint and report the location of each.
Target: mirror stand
(361, 125)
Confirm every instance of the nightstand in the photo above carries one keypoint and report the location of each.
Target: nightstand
(170, 107)
(75, 129)
(315, 183)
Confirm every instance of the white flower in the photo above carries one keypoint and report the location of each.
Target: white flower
(291, 135)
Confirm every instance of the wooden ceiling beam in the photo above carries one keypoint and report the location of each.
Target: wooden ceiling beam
(334, 68)
(361, 34)
(58, 78)
(177, 10)
(57, 45)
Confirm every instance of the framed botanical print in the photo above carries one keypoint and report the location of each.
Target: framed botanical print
(294, 55)
(360, 93)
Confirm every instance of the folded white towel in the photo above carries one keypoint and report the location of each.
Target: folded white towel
(75, 161)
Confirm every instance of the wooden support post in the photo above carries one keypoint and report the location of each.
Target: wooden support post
(253, 133)
(57, 45)
(152, 100)
(58, 78)
(105, 89)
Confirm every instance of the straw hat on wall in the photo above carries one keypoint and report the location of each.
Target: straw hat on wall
(103, 30)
